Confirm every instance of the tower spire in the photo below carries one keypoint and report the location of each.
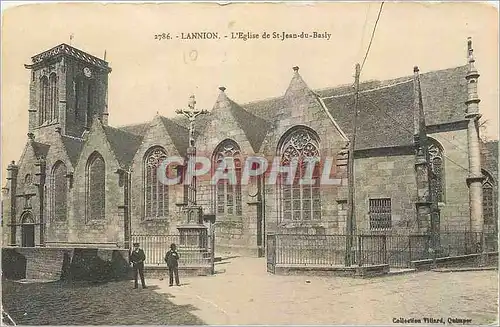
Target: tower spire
(470, 55)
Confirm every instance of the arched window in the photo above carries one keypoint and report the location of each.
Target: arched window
(155, 192)
(58, 191)
(488, 199)
(437, 167)
(96, 187)
(227, 193)
(44, 99)
(300, 202)
(54, 97)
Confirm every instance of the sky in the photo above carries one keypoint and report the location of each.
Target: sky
(151, 76)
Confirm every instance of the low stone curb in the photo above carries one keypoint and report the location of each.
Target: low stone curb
(445, 270)
(402, 272)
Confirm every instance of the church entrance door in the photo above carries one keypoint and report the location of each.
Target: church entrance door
(28, 230)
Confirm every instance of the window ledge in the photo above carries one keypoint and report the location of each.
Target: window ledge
(380, 229)
(96, 222)
(149, 219)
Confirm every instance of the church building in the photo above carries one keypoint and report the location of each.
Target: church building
(417, 155)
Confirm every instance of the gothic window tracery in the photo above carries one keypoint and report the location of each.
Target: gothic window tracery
(437, 167)
(300, 202)
(228, 194)
(155, 192)
(488, 199)
(49, 98)
(96, 187)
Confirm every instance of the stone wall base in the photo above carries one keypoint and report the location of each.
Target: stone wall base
(91, 264)
(161, 271)
(339, 271)
(489, 259)
(224, 250)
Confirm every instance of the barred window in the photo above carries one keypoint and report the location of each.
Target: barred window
(380, 214)
(155, 192)
(300, 202)
(488, 199)
(227, 194)
(58, 192)
(96, 187)
(437, 168)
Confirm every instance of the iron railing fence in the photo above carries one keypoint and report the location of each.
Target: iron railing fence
(395, 250)
(193, 253)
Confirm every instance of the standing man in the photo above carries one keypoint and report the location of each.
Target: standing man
(172, 260)
(137, 258)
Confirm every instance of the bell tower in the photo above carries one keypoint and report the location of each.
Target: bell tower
(68, 87)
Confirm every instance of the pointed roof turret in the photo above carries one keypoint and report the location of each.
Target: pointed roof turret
(297, 84)
(255, 128)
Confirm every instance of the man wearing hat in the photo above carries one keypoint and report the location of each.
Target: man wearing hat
(137, 258)
(172, 260)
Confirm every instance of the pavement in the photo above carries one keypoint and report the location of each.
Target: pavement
(242, 292)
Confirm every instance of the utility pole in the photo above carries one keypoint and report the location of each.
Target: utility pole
(351, 217)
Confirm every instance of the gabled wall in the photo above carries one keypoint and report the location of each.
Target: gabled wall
(301, 107)
(110, 229)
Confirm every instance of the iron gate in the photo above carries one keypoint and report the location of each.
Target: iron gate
(271, 253)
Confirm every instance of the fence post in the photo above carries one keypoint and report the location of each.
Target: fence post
(212, 254)
(384, 243)
(360, 250)
(409, 248)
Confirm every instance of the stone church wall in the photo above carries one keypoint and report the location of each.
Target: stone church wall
(455, 207)
(156, 136)
(386, 176)
(110, 229)
(300, 108)
(236, 231)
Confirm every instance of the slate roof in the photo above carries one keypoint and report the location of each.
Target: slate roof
(265, 109)
(178, 134)
(136, 129)
(40, 149)
(254, 127)
(123, 144)
(489, 157)
(73, 148)
(385, 116)
(386, 107)
(385, 113)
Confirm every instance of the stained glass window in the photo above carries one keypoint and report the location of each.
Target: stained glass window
(155, 192)
(488, 199)
(437, 167)
(300, 202)
(228, 194)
